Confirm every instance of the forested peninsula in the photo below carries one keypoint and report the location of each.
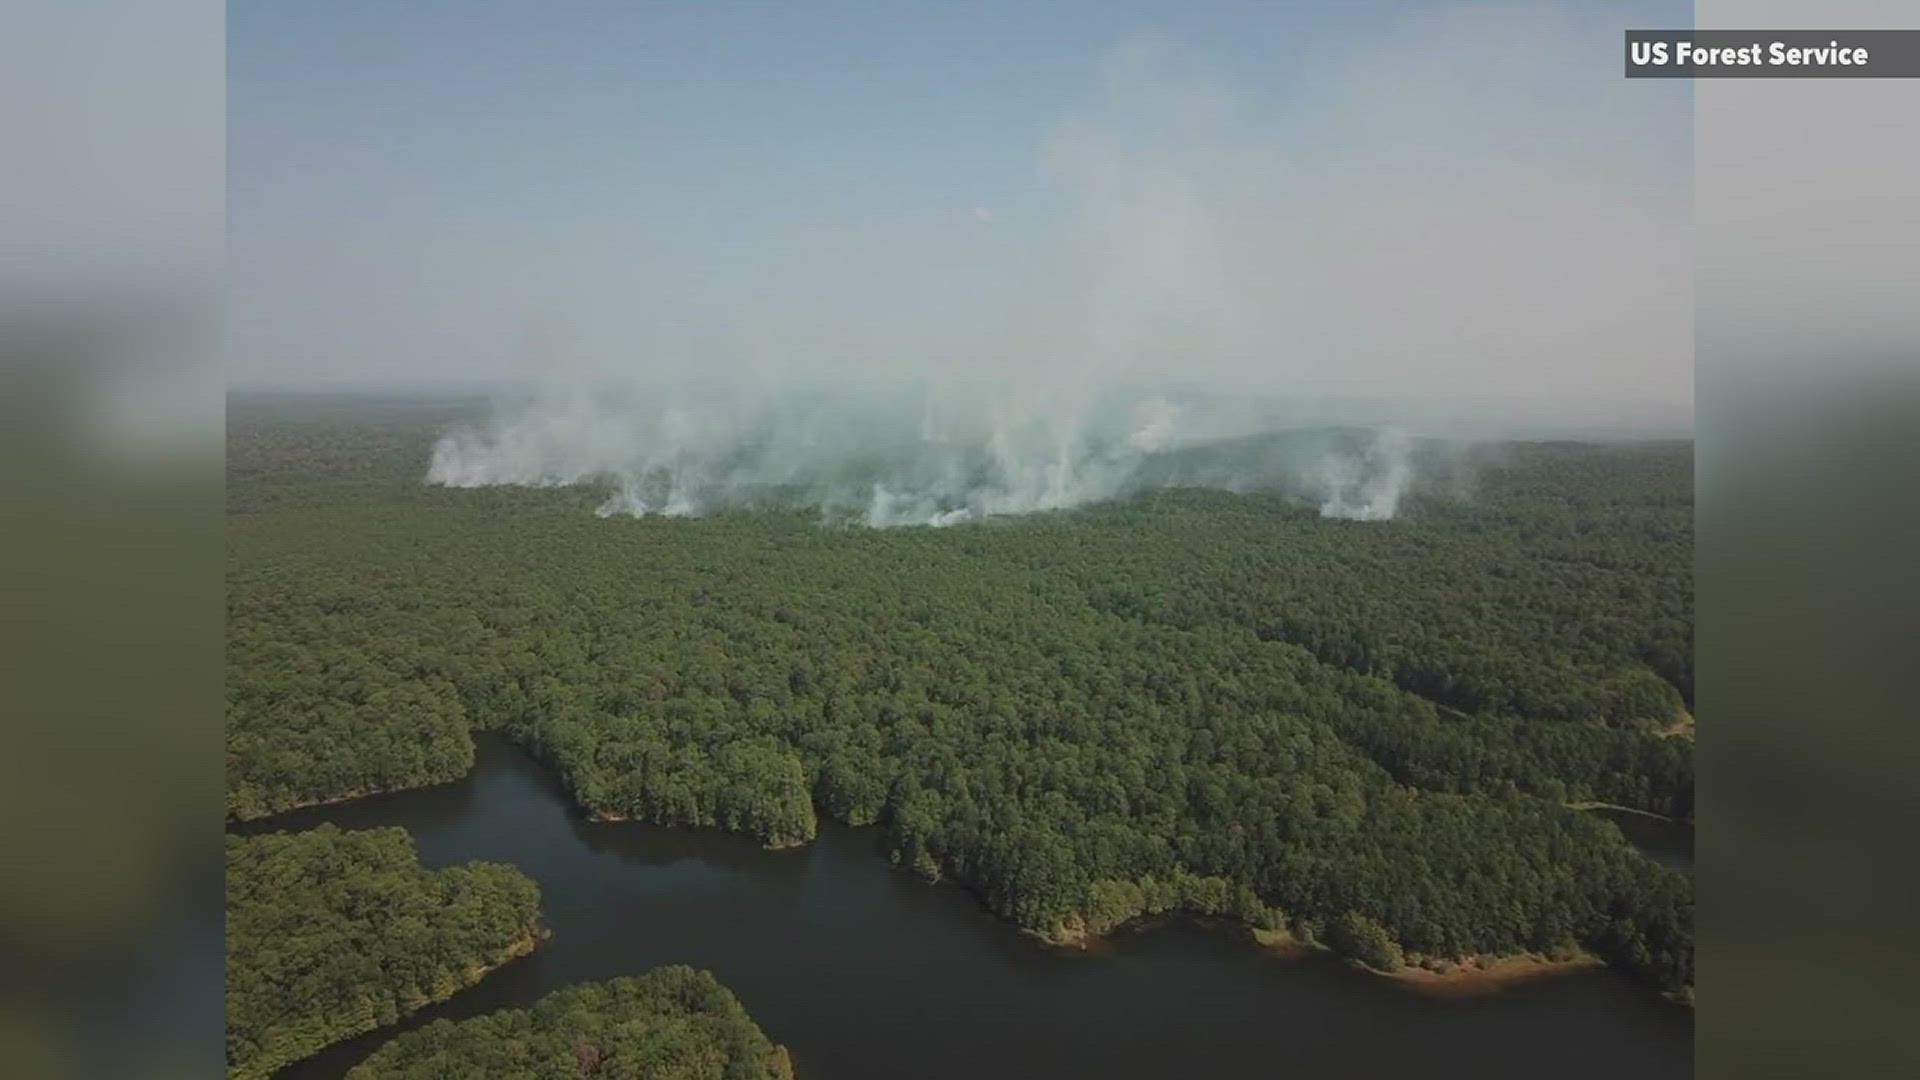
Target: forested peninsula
(1366, 733)
(672, 1023)
(331, 933)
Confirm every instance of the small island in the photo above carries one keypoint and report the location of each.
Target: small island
(672, 1023)
(332, 933)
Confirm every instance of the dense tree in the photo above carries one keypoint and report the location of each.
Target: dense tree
(673, 1023)
(333, 933)
(1365, 940)
(1188, 700)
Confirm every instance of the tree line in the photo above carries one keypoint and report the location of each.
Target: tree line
(672, 1023)
(331, 933)
(1189, 700)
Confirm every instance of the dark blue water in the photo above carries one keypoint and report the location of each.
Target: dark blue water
(864, 972)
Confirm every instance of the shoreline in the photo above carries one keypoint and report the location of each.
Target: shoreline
(1464, 975)
(1445, 975)
(519, 947)
(1482, 973)
(604, 817)
(1597, 805)
(516, 949)
(233, 821)
(1439, 975)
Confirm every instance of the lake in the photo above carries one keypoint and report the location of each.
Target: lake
(1665, 841)
(865, 972)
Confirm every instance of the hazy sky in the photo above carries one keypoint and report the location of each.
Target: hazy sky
(1450, 201)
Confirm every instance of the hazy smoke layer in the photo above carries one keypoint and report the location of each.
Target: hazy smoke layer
(858, 457)
(1457, 211)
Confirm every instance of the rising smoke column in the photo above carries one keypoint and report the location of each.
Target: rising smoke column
(1368, 486)
(1132, 281)
(1432, 228)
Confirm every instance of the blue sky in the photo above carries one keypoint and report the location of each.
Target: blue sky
(415, 188)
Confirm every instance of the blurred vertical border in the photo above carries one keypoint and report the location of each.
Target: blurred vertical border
(1807, 236)
(1807, 218)
(111, 238)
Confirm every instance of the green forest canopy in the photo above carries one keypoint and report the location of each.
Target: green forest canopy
(333, 933)
(1189, 700)
(672, 1023)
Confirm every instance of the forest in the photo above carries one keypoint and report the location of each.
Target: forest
(332, 933)
(1368, 733)
(672, 1023)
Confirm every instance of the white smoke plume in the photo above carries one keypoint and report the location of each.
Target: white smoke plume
(1473, 205)
(848, 453)
(1368, 487)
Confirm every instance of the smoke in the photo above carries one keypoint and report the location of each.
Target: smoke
(1368, 487)
(847, 451)
(1456, 223)
(853, 457)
